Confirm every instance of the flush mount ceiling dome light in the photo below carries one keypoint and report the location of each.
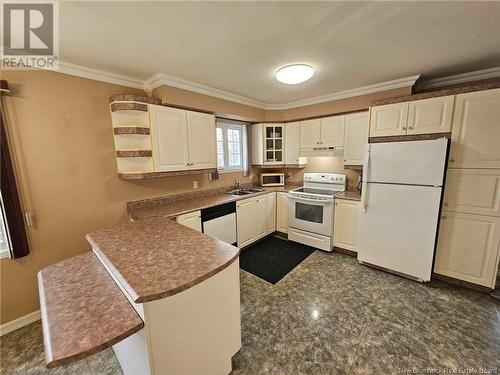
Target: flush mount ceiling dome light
(293, 74)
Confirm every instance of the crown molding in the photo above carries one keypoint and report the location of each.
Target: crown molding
(99, 75)
(363, 90)
(455, 79)
(161, 79)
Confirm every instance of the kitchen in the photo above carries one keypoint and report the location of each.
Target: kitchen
(353, 233)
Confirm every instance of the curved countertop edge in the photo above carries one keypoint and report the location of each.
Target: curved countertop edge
(191, 284)
(62, 290)
(102, 257)
(155, 296)
(96, 349)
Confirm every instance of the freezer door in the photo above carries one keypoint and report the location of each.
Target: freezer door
(413, 163)
(397, 228)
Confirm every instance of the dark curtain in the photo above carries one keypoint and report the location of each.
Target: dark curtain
(11, 202)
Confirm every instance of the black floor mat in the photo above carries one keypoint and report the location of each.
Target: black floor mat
(272, 258)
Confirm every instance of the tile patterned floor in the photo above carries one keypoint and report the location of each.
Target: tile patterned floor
(330, 315)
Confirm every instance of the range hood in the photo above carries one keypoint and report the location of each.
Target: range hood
(322, 151)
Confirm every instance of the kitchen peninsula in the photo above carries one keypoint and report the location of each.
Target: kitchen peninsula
(182, 287)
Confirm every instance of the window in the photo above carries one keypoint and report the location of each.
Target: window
(5, 246)
(231, 146)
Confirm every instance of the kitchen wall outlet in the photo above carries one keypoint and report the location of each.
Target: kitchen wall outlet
(195, 184)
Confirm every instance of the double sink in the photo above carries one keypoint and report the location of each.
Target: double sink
(243, 191)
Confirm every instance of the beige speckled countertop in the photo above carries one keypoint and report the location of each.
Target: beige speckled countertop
(188, 203)
(83, 310)
(353, 195)
(155, 257)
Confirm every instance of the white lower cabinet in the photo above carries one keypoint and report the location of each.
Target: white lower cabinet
(282, 212)
(261, 216)
(191, 220)
(344, 224)
(468, 247)
(271, 212)
(251, 220)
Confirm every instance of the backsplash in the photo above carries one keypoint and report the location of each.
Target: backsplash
(316, 164)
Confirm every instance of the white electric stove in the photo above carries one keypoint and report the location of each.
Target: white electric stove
(311, 209)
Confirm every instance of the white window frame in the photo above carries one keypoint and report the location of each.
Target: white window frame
(5, 253)
(243, 147)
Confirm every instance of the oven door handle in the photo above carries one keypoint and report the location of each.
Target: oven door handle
(310, 200)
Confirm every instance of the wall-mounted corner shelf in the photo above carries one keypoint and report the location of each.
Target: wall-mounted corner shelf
(131, 130)
(134, 153)
(129, 106)
(148, 175)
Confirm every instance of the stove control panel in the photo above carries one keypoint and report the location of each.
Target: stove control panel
(326, 178)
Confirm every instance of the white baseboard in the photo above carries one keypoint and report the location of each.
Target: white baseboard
(19, 322)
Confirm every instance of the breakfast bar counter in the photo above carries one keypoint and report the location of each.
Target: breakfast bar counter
(156, 257)
(166, 297)
(79, 299)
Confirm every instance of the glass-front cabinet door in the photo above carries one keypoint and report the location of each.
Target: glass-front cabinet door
(274, 144)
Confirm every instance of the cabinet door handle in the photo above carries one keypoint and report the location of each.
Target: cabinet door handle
(452, 160)
(445, 204)
(443, 217)
(410, 127)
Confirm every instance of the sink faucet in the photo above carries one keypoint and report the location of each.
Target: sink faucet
(236, 184)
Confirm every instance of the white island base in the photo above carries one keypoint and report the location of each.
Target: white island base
(196, 331)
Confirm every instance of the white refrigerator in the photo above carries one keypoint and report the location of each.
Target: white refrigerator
(400, 200)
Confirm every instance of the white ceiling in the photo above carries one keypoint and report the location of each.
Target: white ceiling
(238, 46)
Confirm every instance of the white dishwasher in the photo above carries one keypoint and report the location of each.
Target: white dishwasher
(220, 222)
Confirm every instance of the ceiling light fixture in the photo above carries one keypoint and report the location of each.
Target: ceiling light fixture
(293, 74)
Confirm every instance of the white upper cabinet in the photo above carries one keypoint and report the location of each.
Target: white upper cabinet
(201, 140)
(332, 131)
(387, 120)
(356, 136)
(431, 115)
(170, 140)
(476, 130)
(292, 149)
(182, 139)
(274, 143)
(324, 132)
(310, 133)
(475, 191)
(257, 144)
(468, 247)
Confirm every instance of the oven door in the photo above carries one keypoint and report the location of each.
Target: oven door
(311, 214)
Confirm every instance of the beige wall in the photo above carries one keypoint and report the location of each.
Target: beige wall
(220, 107)
(336, 106)
(64, 125)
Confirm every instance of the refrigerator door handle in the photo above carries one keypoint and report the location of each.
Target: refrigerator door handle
(364, 193)
(366, 162)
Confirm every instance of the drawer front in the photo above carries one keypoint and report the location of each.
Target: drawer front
(475, 191)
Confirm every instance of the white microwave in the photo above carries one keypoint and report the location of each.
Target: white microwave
(272, 179)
